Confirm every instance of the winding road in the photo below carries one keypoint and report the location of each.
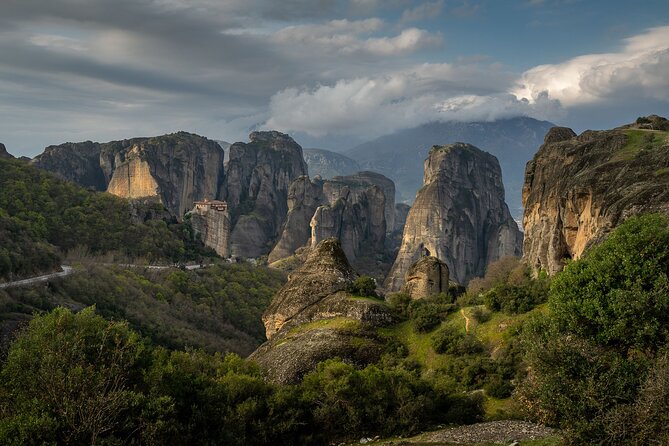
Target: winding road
(67, 270)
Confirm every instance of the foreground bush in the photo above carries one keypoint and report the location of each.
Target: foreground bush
(80, 379)
(608, 325)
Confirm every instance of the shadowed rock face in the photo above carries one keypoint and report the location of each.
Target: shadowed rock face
(325, 272)
(312, 318)
(351, 208)
(3, 152)
(459, 216)
(579, 188)
(175, 169)
(259, 174)
(426, 277)
(304, 197)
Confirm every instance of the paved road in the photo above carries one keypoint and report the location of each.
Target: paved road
(67, 270)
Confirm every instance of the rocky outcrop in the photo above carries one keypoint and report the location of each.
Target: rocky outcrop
(175, 169)
(459, 216)
(350, 208)
(578, 188)
(327, 164)
(4, 153)
(212, 222)
(76, 162)
(427, 277)
(304, 198)
(259, 174)
(312, 318)
(355, 216)
(367, 178)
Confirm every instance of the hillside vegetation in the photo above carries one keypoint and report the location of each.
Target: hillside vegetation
(217, 309)
(42, 216)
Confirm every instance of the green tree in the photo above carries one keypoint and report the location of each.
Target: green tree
(69, 379)
(608, 319)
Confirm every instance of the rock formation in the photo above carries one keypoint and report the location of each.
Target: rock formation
(211, 220)
(578, 188)
(355, 216)
(351, 208)
(175, 169)
(426, 277)
(304, 197)
(4, 153)
(259, 174)
(312, 318)
(459, 216)
(327, 164)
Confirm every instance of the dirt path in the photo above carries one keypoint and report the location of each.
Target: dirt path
(493, 432)
(462, 311)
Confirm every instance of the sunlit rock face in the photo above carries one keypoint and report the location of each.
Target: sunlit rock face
(459, 216)
(176, 169)
(579, 188)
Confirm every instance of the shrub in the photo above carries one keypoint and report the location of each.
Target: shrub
(609, 318)
(363, 286)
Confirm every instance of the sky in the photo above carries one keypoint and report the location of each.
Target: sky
(333, 73)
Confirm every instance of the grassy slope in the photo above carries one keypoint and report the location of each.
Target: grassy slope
(638, 140)
(494, 334)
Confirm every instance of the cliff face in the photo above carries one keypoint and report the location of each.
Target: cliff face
(176, 169)
(214, 226)
(312, 318)
(304, 198)
(578, 188)
(350, 208)
(259, 174)
(459, 216)
(76, 162)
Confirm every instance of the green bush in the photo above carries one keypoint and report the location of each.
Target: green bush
(608, 320)
(363, 286)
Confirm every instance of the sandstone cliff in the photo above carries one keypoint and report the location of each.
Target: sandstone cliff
(175, 169)
(304, 197)
(214, 226)
(459, 216)
(259, 174)
(353, 209)
(426, 277)
(312, 318)
(578, 188)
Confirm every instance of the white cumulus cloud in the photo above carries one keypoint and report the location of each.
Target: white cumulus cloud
(640, 68)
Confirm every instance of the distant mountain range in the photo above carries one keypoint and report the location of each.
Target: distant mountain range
(400, 156)
(329, 164)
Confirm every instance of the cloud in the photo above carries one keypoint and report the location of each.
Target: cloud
(429, 10)
(639, 70)
(351, 37)
(371, 106)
